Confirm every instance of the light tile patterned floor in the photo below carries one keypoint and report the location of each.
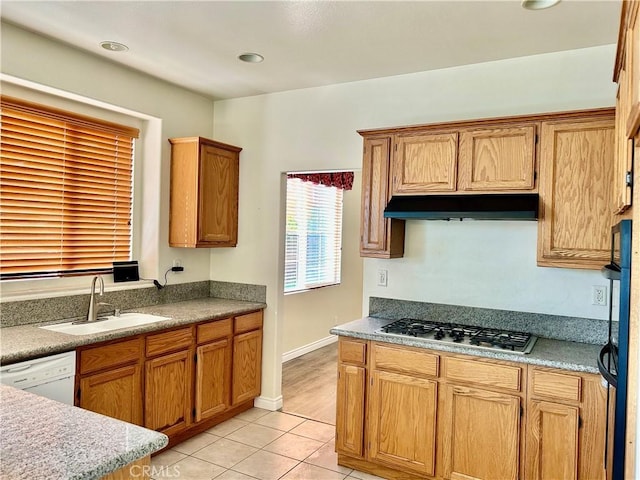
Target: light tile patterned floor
(257, 444)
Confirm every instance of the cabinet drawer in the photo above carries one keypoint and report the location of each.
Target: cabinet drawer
(352, 351)
(169, 341)
(556, 385)
(479, 372)
(248, 322)
(214, 330)
(404, 360)
(107, 356)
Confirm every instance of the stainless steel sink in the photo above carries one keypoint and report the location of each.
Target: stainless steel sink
(125, 320)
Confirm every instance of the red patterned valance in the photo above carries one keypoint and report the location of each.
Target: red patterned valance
(343, 180)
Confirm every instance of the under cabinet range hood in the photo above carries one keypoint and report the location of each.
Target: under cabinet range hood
(503, 206)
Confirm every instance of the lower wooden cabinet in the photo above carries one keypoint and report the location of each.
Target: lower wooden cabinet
(402, 422)
(115, 393)
(168, 392)
(405, 412)
(350, 409)
(178, 381)
(547, 422)
(247, 373)
(481, 434)
(213, 378)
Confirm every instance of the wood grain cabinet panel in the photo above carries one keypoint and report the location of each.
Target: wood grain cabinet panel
(213, 378)
(169, 341)
(552, 441)
(481, 434)
(112, 355)
(497, 159)
(350, 407)
(379, 237)
(247, 366)
(425, 163)
(204, 193)
(576, 188)
(168, 387)
(402, 422)
(116, 393)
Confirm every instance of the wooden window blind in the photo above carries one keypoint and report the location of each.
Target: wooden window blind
(313, 244)
(65, 191)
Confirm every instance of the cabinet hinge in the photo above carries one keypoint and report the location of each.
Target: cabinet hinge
(371, 381)
(395, 147)
(629, 179)
(78, 394)
(536, 138)
(535, 176)
(579, 421)
(521, 411)
(195, 357)
(194, 413)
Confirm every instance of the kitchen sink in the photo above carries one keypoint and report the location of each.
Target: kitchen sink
(106, 324)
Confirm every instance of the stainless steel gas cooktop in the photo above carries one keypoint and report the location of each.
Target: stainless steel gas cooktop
(468, 336)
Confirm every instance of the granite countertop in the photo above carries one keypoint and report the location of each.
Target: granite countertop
(42, 439)
(28, 341)
(580, 357)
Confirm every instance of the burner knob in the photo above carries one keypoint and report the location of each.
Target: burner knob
(439, 335)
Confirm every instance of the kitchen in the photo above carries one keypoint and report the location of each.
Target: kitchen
(580, 78)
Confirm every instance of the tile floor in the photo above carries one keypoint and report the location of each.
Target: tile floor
(257, 444)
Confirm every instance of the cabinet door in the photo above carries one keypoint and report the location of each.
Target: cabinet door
(552, 441)
(576, 184)
(379, 236)
(350, 410)
(496, 159)
(425, 163)
(481, 434)
(213, 378)
(624, 147)
(168, 392)
(218, 193)
(247, 366)
(116, 393)
(402, 422)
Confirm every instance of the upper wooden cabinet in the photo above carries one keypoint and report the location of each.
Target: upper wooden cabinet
(491, 159)
(497, 159)
(627, 76)
(204, 193)
(379, 237)
(425, 163)
(576, 189)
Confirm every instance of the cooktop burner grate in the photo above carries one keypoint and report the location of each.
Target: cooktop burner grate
(471, 336)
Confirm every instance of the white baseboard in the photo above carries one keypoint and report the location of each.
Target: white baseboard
(297, 352)
(272, 404)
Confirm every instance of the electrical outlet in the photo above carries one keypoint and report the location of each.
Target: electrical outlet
(599, 294)
(382, 278)
(177, 262)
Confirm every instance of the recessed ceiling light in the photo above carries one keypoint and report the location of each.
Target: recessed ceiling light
(251, 57)
(114, 46)
(538, 4)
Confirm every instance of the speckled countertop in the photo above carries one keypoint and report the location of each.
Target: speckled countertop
(43, 439)
(28, 341)
(581, 357)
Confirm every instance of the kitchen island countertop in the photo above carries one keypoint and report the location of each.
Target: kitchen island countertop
(41, 438)
(580, 357)
(28, 341)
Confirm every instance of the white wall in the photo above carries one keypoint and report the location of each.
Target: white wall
(59, 73)
(316, 128)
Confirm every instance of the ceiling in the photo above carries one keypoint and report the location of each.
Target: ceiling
(195, 44)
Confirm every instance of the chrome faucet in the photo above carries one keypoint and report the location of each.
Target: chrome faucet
(92, 314)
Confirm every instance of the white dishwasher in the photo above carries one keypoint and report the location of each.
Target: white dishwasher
(52, 377)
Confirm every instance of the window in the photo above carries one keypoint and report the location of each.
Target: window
(65, 192)
(313, 240)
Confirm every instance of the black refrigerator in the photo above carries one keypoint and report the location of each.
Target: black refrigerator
(613, 360)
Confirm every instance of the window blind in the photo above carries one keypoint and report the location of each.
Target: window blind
(65, 191)
(313, 242)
